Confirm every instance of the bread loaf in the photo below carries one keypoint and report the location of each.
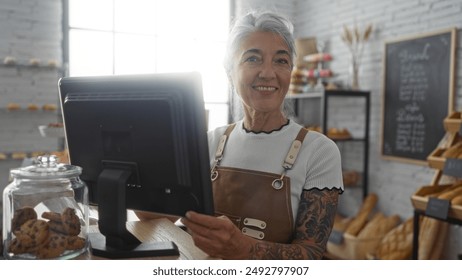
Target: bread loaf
(453, 151)
(438, 247)
(362, 217)
(429, 236)
(13, 106)
(441, 190)
(341, 223)
(449, 195)
(371, 228)
(379, 226)
(457, 200)
(397, 243)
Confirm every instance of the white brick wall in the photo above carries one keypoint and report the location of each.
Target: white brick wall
(28, 29)
(32, 29)
(393, 181)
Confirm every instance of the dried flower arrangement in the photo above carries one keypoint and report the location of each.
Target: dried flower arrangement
(355, 40)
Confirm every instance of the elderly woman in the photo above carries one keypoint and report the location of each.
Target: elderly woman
(275, 184)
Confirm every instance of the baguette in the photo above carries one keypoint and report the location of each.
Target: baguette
(364, 212)
(453, 151)
(341, 223)
(428, 237)
(437, 193)
(371, 227)
(457, 200)
(438, 247)
(449, 195)
(397, 243)
(445, 190)
(379, 226)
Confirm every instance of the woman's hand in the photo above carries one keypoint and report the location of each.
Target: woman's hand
(220, 238)
(217, 236)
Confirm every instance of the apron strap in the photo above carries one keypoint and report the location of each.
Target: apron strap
(294, 149)
(291, 155)
(222, 143)
(289, 161)
(220, 150)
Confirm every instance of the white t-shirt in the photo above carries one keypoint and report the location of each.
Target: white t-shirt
(318, 164)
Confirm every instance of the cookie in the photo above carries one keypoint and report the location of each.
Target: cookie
(75, 243)
(54, 246)
(16, 247)
(32, 233)
(71, 221)
(57, 227)
(52, 216)
(21, 216)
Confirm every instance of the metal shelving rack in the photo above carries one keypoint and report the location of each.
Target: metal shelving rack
(328, 94)
(324, 98)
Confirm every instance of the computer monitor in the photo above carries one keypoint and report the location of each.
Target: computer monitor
(141, 141)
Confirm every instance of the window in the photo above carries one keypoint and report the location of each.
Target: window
(153, 36)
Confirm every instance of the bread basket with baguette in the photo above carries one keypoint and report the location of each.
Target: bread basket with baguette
(361, 233)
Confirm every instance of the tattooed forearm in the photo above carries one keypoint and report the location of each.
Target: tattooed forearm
(313, 226)
(276, 251)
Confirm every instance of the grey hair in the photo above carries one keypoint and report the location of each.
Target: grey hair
(244, 26)
(253, 22)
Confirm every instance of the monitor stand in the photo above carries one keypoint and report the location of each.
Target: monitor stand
(114, 240)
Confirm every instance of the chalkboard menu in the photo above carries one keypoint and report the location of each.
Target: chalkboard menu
(417, 94)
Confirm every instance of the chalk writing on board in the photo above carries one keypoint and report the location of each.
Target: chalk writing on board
(417, 94)
(413, 86)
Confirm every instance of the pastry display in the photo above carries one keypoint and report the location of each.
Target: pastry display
(315, 128)
(318, 57)
(9, 60)
(52, 63)
(13, 106)
(350, 177)
(34, 62)
(49, 107)
(32, 107)
(338, 133)
(19, 155)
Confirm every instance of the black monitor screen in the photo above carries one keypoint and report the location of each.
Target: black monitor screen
(141, 142)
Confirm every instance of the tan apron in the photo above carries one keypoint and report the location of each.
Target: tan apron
(257, 202)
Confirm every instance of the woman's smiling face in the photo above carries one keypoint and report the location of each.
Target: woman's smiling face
(262, 71)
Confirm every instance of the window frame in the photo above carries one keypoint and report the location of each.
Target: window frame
(66, 28)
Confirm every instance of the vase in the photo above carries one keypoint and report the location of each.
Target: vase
(354, 74)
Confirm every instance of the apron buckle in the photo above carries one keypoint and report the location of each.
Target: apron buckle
(253, 233)
(214, 175)
(278, 183)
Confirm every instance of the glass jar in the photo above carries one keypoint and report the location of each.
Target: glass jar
(45, 212)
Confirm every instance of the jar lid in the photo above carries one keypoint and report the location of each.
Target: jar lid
(47, 167)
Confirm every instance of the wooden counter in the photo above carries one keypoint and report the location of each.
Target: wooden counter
(161, 230)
